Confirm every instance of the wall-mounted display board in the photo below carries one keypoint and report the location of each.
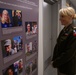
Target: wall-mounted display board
(19, 37)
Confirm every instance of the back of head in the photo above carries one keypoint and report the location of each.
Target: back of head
(68, 11)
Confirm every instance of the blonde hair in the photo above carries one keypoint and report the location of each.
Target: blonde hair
(3, 19)
(68, 11)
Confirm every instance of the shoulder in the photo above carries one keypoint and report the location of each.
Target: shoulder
(74, 31)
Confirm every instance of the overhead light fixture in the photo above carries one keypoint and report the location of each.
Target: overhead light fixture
(52, 1)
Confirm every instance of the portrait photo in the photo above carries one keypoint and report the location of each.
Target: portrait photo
(6, 18)
(30, 66)
(28, 27)
(10, 18)
(14, 69)
(11, 46)
(28, 49)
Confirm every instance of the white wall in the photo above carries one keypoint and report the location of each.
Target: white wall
(46, 30)
(40, 51)
(54, 25)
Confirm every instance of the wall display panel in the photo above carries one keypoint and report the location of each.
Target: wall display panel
(9, 19)
(31, 29)
(31, 67)
(14, 69)
(23, 15)
(11, 46)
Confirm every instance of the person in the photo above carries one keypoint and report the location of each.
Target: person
(29, 32)
(9, 70)
(64, 55)
(8, 48)
(14, 18)
(34, 28)
(20, 66)
(5, 20)
(17, 18)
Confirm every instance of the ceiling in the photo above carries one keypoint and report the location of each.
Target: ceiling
(51, 1)
(74, 3)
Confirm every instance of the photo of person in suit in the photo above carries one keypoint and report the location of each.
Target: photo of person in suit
(16, 18)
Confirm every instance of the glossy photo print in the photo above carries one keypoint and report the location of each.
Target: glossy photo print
(31, 48)
(6, 18)
(28, 27)
(35, 46)
(31, 66)
(28, 49)
(14, 69)
(16, 18)
(10, 18)
(34, 28)
(11, 46)
(31, 29)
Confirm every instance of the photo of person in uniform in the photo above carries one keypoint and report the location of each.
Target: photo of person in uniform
(11, 46)
(64, 55)
(5, 19)
(8, 47)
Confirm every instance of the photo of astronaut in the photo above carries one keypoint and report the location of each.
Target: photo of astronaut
(11, 46)
(14, 69)
(30, 66)
(10, 18)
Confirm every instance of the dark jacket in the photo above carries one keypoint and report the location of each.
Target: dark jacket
(64, 56)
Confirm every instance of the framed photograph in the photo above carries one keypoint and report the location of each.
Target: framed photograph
(30, 66)
(31, 29)
(31, 48)
(28, 49)
(10, 20)
(14, 69)
(11, 46)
